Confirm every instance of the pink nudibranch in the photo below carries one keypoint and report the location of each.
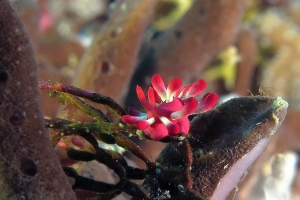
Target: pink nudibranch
(168, 108)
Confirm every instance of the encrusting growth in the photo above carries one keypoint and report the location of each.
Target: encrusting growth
(199, 163)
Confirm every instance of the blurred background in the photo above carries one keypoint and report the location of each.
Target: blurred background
(240, 47)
